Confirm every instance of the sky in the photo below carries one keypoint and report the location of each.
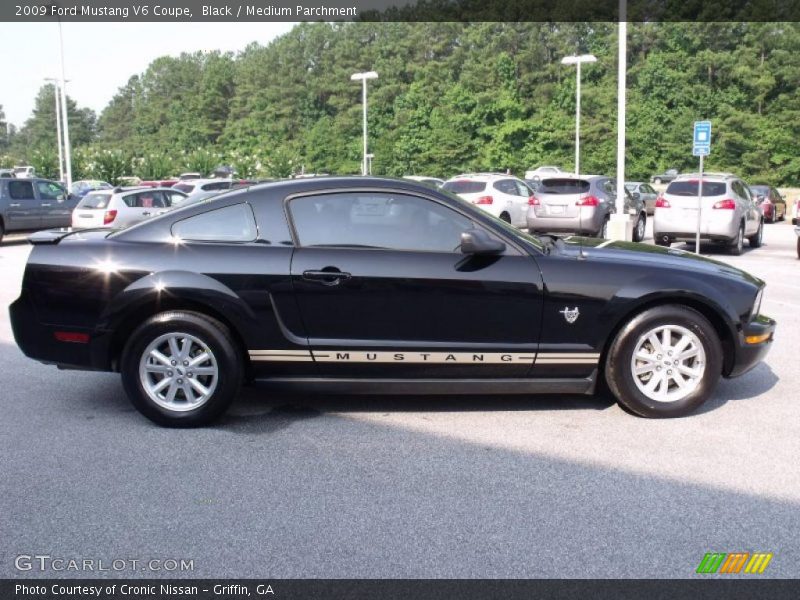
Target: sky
(99, 58)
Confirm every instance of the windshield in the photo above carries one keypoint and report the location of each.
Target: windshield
(464, 186)
(689, 187)
(94, 200)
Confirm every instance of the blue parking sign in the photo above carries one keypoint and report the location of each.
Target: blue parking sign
(701, 143)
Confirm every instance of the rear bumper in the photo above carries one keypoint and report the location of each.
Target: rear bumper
(748, 355)
(589, 222)
(716, 225)
(37, 340)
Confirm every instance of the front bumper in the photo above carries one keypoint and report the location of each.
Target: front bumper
(748, 355)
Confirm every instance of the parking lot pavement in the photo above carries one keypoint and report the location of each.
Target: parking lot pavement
(315, 486)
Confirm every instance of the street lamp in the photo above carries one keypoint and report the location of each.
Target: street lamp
(54, 81)
(578, 61)
(65, 121)
(363, 78)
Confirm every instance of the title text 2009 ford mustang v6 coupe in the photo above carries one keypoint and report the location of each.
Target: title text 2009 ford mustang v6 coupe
(354, 284)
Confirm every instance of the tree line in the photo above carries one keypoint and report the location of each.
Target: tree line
(450, 98)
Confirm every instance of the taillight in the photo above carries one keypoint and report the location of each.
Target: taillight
(726, 204)
(109, 217)
(588, 201)
(533, 201)
(662, 202)
(484, 200)
(71, 336)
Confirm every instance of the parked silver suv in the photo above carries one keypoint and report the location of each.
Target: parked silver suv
(728, 214)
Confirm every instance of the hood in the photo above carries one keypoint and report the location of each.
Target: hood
(656, 256)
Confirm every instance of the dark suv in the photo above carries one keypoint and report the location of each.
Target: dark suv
(30, 204)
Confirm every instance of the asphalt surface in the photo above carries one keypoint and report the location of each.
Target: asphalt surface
(299, 486)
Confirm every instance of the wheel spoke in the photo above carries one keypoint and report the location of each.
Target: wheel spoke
(200, 358)
(161, 385)
(186, 345)
(204, 370)
(678, 379)
(161, 369)
(173, 389)
(681, 345)
(160, 357)
(198, 386)
(656, 343)
(690, 353)
(692, 373)
(644, 369)
(173, 348)
(188, 393)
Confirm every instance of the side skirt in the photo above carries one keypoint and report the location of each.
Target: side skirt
(432, 386)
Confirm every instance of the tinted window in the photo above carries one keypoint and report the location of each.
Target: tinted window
(184, 187)
(94, 200)
(523, 190)
(219, 185)
(154, 199)
(20, 190)
(464, 186)
(689, 188)
(376, 220)
(230, 224)
(50, 191)
(563, 186)
(506, 186)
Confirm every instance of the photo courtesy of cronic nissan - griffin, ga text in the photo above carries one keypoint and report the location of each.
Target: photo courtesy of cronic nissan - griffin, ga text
(362, 284)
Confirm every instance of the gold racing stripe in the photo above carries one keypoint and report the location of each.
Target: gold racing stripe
(364, 356)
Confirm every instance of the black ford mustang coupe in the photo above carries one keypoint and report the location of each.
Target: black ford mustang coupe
(368, 284)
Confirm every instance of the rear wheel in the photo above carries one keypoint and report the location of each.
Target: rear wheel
(2, 231)
(756, 239)
(665, 362)
(505, 217)
(639, 228)
(181, 369)
(603, 233)
(737, 245)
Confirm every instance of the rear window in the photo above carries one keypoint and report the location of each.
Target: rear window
(563, 186)
(689, 188)
(94, 200)
(184, 187)
(465, 186)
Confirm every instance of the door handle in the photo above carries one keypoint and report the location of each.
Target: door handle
(331, 276)
(15, 205)
(146, 214)
(48, 204)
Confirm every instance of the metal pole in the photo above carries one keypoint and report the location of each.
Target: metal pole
(364, 103)
(58, 133)
(699, 207)
(67, 151)
(578, 120)
(622, 59)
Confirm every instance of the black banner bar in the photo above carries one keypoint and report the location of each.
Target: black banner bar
(397, 10)
(439, 589)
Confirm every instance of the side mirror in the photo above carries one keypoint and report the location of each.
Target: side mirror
(478, 242)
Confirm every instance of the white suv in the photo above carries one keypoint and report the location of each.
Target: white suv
(729, 214)
(122, 207)
(504, 196)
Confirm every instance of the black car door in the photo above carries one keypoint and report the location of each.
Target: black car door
(384, 290)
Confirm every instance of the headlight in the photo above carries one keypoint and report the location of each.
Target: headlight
(757, 303)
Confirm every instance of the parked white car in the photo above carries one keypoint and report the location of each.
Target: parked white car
(504, 196)
(431, 181)
(123, 207)
(200, 189)
(540, 172)
(729, 213)
(24, 172)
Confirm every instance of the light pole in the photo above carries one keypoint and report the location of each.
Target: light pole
(578, 61)
(363, 78)
(67, 150)
(54, 81)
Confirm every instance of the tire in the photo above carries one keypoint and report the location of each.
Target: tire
(505, 217)
(660, 241)
(603, 232)
(757, 238)
(222, 377)
(666, 398)
(737, 244)
(639, 228)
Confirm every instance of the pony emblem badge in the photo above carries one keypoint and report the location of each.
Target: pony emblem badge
(570, 315)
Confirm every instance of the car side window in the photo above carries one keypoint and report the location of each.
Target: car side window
(377, 220)
(503, 186)
(174, 198)
(234, 223)
(50, 191)
(20, 190)
(523, 190)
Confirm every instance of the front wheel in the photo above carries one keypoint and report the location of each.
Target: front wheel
(639, 228)
(757, 238)
(181, 369)
(665, 362)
